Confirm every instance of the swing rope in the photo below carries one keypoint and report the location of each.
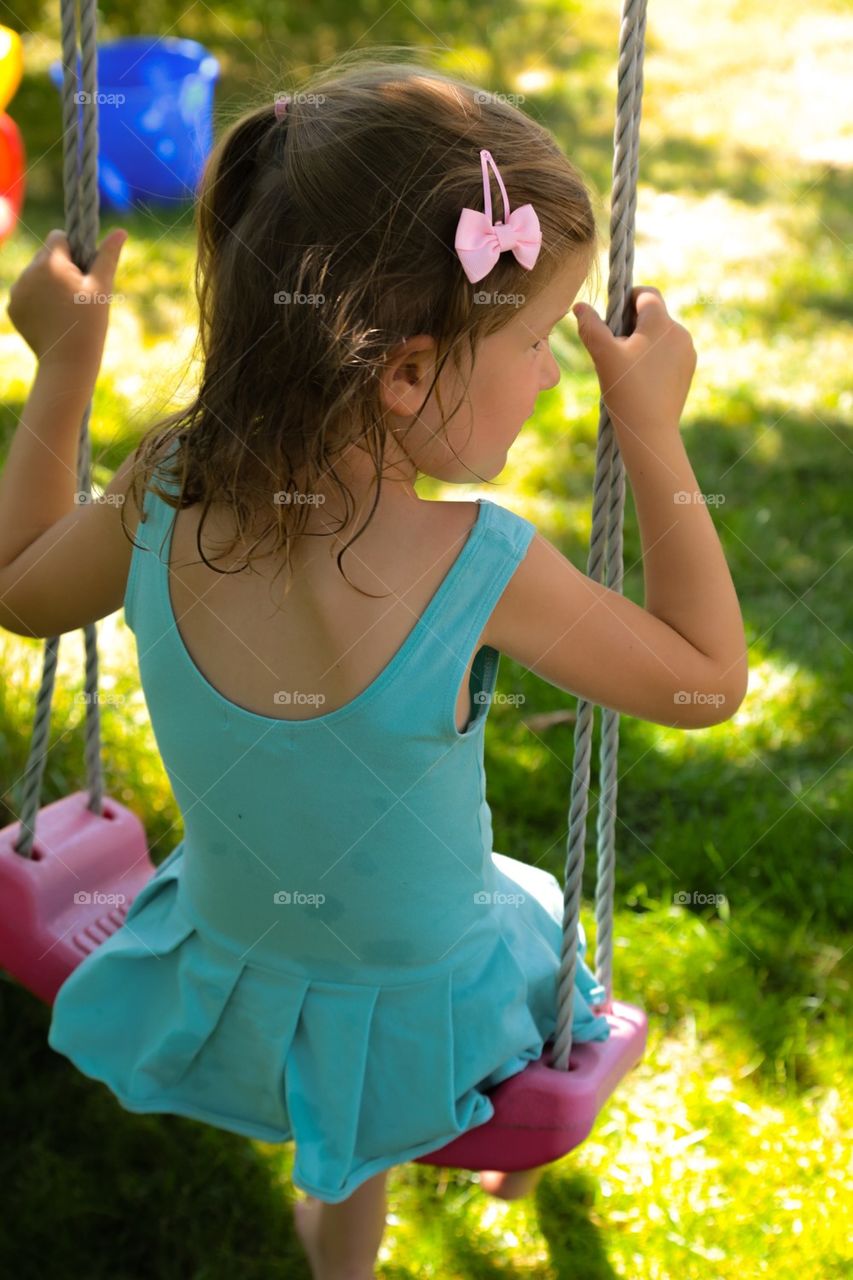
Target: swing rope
(605, 552)
(80, 183)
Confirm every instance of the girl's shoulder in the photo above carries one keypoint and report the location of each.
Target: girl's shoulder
(137, 480)
(484, 512)
(493, 542)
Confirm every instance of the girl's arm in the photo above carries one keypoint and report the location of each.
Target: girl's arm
(76, 572)
(63, 562)
(38, 485)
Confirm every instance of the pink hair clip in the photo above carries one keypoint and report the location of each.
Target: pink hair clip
(480, 242)
(281, 104)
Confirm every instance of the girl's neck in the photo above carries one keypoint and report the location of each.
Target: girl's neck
(336, 516)
(356, 471)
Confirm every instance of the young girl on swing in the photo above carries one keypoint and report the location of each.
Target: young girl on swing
(334, 954)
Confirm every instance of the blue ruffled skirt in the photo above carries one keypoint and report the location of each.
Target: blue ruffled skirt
(360, 1076)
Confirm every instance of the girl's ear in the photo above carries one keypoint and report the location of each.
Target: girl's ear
(407, 374)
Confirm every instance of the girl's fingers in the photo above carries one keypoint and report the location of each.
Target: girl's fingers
(55, 238)
(103, 269)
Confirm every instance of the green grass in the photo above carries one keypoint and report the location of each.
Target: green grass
(722, 1154)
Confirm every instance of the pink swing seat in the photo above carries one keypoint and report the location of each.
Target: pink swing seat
(542, 1113)
(73, 892)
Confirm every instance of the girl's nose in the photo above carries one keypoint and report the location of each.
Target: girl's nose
(548, 383)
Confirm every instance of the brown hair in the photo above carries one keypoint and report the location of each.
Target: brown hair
(353, 196)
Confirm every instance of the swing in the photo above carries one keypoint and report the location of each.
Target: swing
(66, 890)
(63, 895)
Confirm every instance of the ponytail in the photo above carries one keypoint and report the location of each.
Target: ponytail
(239, 157)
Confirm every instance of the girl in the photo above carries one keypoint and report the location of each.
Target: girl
(334, 953)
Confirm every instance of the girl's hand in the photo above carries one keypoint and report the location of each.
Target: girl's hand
(644, 377)
(61, 313)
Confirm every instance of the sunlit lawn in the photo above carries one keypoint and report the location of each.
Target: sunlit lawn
(722, 1154)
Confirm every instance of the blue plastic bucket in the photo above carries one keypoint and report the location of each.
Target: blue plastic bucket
(155, 118)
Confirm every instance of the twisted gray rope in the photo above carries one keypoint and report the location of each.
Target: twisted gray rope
(80, 181)
(605, 544)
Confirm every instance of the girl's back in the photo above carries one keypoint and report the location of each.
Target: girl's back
(318, 648)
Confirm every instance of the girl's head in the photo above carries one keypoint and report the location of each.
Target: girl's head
(340, 337)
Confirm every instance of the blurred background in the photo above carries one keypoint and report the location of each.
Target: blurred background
(722, 1153)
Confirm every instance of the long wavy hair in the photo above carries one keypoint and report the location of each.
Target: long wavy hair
(325, 238)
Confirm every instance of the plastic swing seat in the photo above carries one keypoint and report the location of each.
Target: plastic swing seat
(72, 893)
(541, 1113)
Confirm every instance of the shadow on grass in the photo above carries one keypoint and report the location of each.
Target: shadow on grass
(576, 1246)
(92, 1189)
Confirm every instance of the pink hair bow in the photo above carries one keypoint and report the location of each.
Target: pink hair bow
(480, 242)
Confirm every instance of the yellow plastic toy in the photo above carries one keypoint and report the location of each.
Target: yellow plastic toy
(11, 65)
